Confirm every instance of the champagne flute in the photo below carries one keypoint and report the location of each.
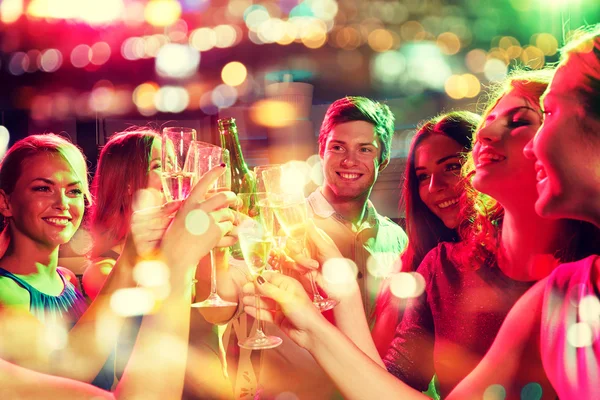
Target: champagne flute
(201, 159)
(255, 242)
(278, 238)
(289, 206)
(177, 182)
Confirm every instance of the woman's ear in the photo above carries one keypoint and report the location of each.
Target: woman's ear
(5, 204)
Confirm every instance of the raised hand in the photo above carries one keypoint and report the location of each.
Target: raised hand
(200, 223)
(297, 315)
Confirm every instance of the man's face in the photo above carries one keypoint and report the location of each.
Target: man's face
(351, 161)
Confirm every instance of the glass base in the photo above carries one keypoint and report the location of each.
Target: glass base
(214, 301)
(323, 304)
(260, 341)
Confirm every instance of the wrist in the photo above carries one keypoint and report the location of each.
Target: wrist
(317, 333)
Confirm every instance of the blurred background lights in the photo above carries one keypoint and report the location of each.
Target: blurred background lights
(531, 391)
(495, 70)
(173, 99)
(226, 36)
(81, 55)
(462, 86)
(100, 53)
(4, 140)
(494, 392)
(406, 285)
(162, 12)
(234, 73)
(580, 334)
(132, 301)
(203, 39)
(177, 61)
(272, 113)
(51, 60)
(10, 10)
(151, 273)
(224, 96)
(339, 271)
(100, 12)
(255, 15)
(475, 60)
(381, 265)
(589, 309)
(197, 222)
(143, 95)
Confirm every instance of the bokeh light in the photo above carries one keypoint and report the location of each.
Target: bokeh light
(177, 61)
(51, 60)
(197, 222)
(10, 11)
(475, 60)
(494, 392)
(234, 73)
(224, 96)
(531, 391)
(589, 309)
(340, 271)
(130, 302)
(151, 273)
(100, 53)
(81, 56)
(162, 12)
(226, 36)
(533, 57)
(406, 285)
(449, 43)
(4, 140)
(495, 70)
(580, 334)
(546, 42)
(272, 113)
(173, 99)
(203, 39)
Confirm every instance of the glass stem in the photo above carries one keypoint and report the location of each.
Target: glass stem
(316, 294)
(259, 330)
(213, 274)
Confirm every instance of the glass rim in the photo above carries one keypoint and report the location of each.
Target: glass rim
(175, 129)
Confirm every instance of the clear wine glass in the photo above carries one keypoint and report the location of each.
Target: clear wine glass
(289, 206)
(201, 159)
(177, 182)
(255, 242)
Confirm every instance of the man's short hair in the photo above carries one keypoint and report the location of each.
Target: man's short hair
(356, 108)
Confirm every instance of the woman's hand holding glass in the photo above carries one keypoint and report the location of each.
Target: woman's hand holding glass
(255, 238)
(200, 224)
(296, 315)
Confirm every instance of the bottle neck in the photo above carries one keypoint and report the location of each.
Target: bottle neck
(231, 142)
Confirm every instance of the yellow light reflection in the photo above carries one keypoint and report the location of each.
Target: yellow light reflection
(234, 73)
(162, 12)
(272, 113)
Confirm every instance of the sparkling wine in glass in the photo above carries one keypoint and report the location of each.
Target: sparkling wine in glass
(255, 242)
(289, 206)
(201, 159)
(177, 182)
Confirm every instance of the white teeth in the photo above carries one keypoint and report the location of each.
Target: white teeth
(491, 157)
(349, 176)
(58, 221)
(448, 203)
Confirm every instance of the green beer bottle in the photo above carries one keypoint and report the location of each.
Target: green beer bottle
(242, 178)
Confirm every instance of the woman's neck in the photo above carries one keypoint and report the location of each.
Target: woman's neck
(27, 257)
(529, 243)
